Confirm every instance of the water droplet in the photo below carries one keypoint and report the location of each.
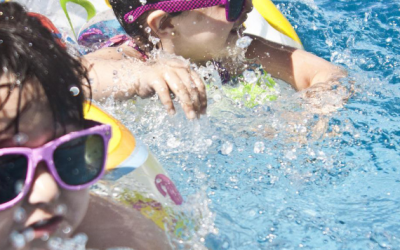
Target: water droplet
(20, 139)
(45, 237)
(5, 70)
(259, 147)
(130, 18)
(30, 44)
(291, 155)
(19, 215)
(1, 41)
(1, 13)
(119, 50)
(17, 240)
(19, 186)
(81, 238)
(227, 148)
(74, 91)
(244, 42)
(143, 2)
(173, 142)
(67, 230)
(250, 76)
(147, 29)
(154, 40)
(61, 209)
(55, 243)
(29, 234)
(217, 97)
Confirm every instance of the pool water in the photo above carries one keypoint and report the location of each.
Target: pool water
(289, 174)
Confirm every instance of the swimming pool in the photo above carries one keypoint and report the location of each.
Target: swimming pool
(285, 175)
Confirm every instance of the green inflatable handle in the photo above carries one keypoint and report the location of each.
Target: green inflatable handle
(88, 6)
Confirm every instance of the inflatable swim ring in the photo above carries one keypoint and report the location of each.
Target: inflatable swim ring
(127, 156)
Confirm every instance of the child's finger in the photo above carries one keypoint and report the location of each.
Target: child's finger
(161, 88)
(201, 88)
(176, 85)
(191, 88)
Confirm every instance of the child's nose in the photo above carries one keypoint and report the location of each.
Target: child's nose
(44, 188)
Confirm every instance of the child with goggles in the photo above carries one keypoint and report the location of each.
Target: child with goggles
(49, 154)
(202, 31)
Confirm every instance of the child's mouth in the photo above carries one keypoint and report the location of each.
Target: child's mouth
(45, 227)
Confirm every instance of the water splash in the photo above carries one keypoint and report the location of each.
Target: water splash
(78, 242)
(244, 42)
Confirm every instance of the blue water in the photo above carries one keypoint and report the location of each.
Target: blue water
(297, 177)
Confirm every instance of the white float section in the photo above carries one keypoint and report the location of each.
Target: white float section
(258, 26)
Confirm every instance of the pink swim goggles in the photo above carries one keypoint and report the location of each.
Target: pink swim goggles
(233, 8)
(75, 160)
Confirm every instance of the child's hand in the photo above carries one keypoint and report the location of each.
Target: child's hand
(124, 77)
(172, 76)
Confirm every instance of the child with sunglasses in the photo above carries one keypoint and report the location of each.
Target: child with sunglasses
(202, 31)
(49, 154)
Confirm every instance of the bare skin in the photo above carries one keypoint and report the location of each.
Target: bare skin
(297, 67)
(109, 224)
(136, 78)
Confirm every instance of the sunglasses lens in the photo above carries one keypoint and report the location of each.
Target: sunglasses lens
(235, 9)
(13, 170)
(80, 160)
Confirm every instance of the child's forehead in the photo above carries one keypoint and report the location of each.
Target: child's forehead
(33, 108)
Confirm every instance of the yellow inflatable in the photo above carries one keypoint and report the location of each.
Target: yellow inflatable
(267, 21)
(122, 142)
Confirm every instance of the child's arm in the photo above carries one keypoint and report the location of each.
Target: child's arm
(110, 225)
(299, 68)
(112, 73)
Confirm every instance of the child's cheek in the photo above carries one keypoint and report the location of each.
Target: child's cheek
(76, 203)
(6, 226)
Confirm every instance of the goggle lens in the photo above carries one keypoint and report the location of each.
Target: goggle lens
(235, 9)
(80, 161)
(13, 171)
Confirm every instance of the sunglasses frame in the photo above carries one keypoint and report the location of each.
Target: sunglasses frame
(180, 5)
(45, 153)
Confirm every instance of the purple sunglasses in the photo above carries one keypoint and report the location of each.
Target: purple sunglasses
(75, 160)
(233, 8)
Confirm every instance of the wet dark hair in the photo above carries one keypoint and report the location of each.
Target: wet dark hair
(30, 51)
(136, 29)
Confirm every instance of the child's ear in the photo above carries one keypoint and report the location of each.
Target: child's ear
(160, 23)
